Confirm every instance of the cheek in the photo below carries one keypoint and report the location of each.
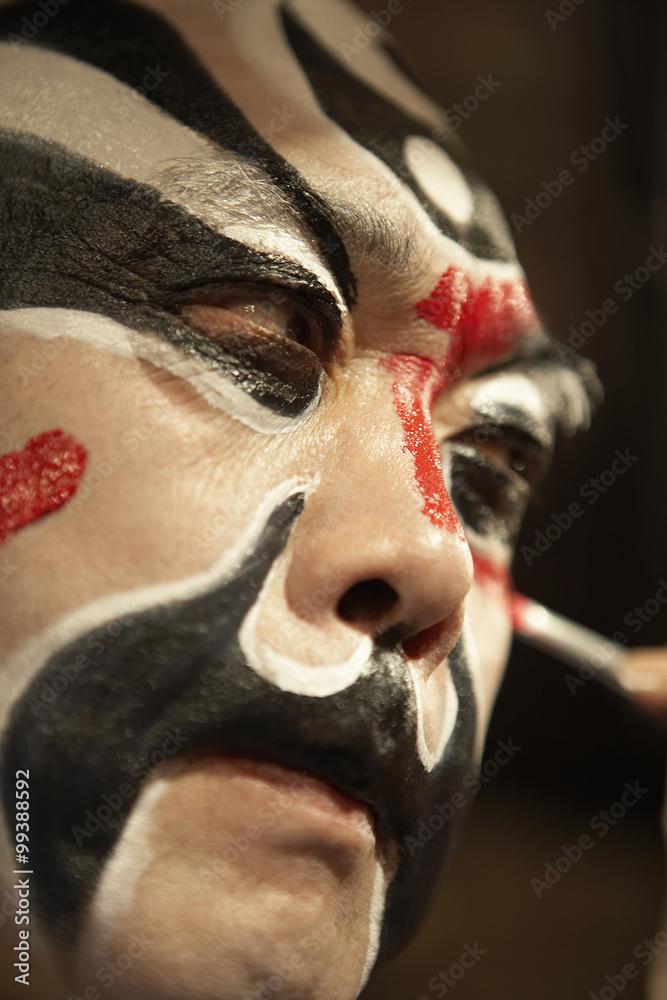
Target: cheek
(38, 479)
(491, 634)
(155, 488)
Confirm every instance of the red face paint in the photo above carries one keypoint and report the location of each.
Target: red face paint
(39, 479)
(483, 323)
(417, 382)
(489, 572)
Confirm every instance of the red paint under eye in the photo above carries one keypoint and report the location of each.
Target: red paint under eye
(39, 479)
(489, 572)
(483, 322)
(417, 382)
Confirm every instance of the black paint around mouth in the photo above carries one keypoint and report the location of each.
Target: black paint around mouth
(177, 673)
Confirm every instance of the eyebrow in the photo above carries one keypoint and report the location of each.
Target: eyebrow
(372, 234)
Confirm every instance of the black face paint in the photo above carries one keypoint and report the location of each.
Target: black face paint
(488, 499)
(124, 40)
(180, 669)
(382, 128)
(76, 236)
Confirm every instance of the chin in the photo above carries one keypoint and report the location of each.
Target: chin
(219, 907)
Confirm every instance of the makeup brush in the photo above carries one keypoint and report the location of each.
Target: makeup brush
(640, 673)
(574, 644)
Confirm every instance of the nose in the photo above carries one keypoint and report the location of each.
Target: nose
(367, 557)
(375, 564)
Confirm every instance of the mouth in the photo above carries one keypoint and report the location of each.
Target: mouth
(280, 797)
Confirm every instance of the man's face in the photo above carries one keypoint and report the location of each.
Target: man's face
(289, 394)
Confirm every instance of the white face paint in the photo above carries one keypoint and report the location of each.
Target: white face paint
(439, 178)
(109, 336)
(66, 101)
(363, 520)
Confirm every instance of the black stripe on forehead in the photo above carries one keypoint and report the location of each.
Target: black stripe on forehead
(125, 40)
(382, 127)
(76, 236)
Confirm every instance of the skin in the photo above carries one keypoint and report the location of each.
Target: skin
(301, 897)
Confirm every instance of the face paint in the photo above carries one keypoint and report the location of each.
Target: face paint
(389, 132)
(38, 479)
(179, 667)
(487, 571)
(119, 235)
(417, 382)
(483, 322)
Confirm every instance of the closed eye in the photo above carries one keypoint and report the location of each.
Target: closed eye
(274, 312)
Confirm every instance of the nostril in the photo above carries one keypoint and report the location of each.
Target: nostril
(367, 601)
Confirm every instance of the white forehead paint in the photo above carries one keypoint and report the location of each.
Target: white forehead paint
(84, 109)
(317, 680)
(430, 751)
(337, 26)
(250, 57)
(439, 178)
(107, 335)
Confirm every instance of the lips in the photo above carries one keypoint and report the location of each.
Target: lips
(291, 790)
(119, 693)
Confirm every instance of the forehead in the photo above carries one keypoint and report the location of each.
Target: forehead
(288, 127)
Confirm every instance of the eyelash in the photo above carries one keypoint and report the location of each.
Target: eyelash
(318, 329)
(490, 498)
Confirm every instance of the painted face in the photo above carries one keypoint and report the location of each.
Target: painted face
(274, 394)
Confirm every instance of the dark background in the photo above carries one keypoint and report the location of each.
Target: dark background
(557, 87)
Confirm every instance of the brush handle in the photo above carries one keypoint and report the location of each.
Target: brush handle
(573, 644)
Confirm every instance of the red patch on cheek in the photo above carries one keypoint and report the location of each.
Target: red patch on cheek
(39, 479)
(417, 382)
(483, 322)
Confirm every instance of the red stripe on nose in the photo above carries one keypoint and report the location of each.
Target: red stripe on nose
(39, 479)
(417, 381)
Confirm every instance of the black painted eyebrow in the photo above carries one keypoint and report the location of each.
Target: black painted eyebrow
(78, 236)
(122, 38)
(369, 234)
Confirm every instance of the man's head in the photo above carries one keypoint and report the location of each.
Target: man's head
(273, 373)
